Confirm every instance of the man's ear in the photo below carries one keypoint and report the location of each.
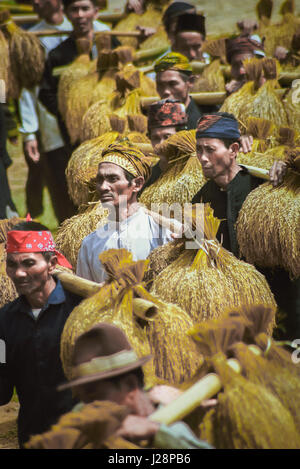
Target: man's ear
(234, 148)
(138, 183)
(96, 12)
(52, 263)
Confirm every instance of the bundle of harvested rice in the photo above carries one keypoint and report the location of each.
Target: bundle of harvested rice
(270, 238)
(7, 288)
(264, 10)
(95, 121)
(72, 231)
(146, 320)
(183, 177)
(83, 165)
(208, 280)
(212, 79)
(79, 68)
(276, 353)
(247, 416)
(27, 56)
(150, 18)
(158, 39)
(291, 106)
(274, 377)
(5, 62)
(216, 48)
(280, 34)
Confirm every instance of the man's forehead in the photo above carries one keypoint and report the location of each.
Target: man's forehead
(190, 37)
(208, 141)
(21, 256)
(241, 56)
(168, 75)
(106, 168)
(163, 130)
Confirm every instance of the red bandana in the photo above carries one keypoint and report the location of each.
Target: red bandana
(34, 241)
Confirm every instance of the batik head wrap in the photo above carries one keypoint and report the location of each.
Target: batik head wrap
(166, 113)
(220, 125)
(34, 241)
(173, 61)
(242, 45)
(130, 159)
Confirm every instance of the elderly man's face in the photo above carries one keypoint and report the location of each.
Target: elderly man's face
(113, 187)
(29, 271)
(171, 84)
(215, 158)
(189, 43)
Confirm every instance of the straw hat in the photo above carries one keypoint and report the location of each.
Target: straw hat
(100, 353)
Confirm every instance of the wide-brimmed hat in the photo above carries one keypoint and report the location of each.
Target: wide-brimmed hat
(100, 353)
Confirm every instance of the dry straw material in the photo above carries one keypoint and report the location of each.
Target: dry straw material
(72, 231)
(27, 56)
(247, 415)
(270, 237)
(150, 324)
(207, 282)
(212, 79)
(183, 177)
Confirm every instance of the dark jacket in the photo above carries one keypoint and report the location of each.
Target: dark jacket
(32, 360)
(227, 204)
(194, 113)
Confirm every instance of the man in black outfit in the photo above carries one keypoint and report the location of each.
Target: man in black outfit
(31, 327)
(218, 143)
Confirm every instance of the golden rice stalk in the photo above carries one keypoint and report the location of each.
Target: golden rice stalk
(77, 103)
(276, 353)
(263, 160)
(27, 56)
(83, 165)
(270, 238)
(240, 103)
(267, 105)
(208, 291)
(7, 288)
(72, 231)
(274, 377)
(256, 320)
(176, 358)
(158, 39)
(291, 106)
(280, 34)
(288, 6)
(79, 68)
(5, 62)
(212, 79)
(151, 18)
(216, 48)
(247, 415)
(95, 121)
(183, 177)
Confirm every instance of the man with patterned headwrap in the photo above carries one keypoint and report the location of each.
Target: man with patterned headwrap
(218, 141)
(30, 328)
(174, 80)
(122, 173)
(239, 49)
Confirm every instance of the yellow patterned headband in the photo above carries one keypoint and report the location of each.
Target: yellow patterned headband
(107, 363)
(120, 161)
(173, 61)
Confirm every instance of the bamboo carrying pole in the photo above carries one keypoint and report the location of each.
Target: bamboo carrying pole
(77, 285)
(183, 405)
(52, 32)
(105, 16)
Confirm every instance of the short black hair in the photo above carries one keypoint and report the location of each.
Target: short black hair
(67, 3)
(138, 373)
(34, 226)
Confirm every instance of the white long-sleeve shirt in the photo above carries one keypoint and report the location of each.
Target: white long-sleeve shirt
(139, 234)
(33, 115)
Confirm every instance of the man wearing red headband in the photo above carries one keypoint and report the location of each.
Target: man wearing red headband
(30, 328)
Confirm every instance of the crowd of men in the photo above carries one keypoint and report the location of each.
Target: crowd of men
(105, 365)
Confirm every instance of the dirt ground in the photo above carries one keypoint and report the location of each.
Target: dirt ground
(8, 426)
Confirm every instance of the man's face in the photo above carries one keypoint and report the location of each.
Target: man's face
(214, 157)
(189, 43)
(170, 84)
(103, 390)
(46, 8)
(113, 187)
(160, 134)
(29, 271)
(81, 14)
(238, 71)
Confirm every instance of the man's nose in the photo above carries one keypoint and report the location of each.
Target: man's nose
(20, 272)
(242, 70)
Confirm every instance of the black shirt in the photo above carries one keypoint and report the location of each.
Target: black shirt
(32, 360)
